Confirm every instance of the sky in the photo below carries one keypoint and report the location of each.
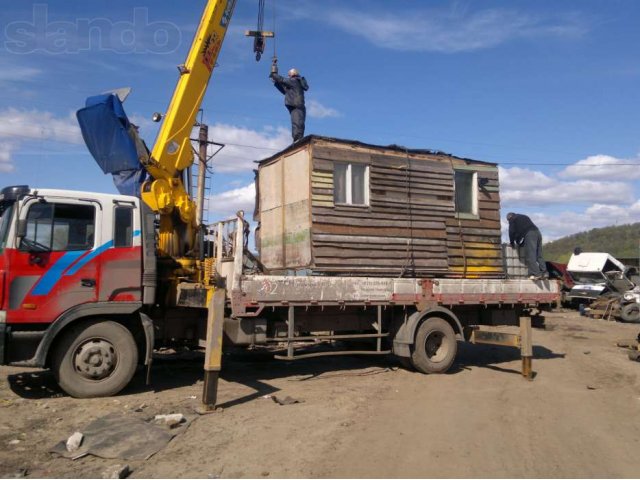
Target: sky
(546, 89)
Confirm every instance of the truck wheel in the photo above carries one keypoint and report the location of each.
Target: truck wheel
(631, 313)
(96, 359)
(435, 346)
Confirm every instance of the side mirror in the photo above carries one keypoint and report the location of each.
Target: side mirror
(21, 228)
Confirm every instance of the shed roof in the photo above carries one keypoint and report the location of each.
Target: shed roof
(396, 148)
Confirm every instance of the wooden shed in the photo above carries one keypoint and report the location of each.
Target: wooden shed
(331, 206)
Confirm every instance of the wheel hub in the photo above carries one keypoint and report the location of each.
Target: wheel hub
(95, 359)
(435, 348)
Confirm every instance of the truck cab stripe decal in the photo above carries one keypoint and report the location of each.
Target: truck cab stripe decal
(51, 277)
(87, 258)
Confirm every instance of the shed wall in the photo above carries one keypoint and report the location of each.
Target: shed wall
(285, 222)
(409, 227)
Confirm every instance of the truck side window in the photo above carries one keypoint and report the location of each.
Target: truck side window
(60, 227)
(123, 227)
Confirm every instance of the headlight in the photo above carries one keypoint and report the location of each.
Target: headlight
(3, 316)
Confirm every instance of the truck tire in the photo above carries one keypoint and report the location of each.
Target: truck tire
(95, 359)
(631, 313)
(435, 346)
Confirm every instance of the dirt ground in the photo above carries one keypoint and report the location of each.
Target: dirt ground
(364, 417)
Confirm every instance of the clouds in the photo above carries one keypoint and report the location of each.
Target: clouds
(566, 222)
(6, 165)
(38, 125)
(455, 31)
(597, 191)
(18, 74)
(522, 186)
(604, 167)
(226, 204)
(244, 146)
(21, 126)
(317, 110)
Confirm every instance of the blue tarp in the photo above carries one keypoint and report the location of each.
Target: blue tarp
(113, 141)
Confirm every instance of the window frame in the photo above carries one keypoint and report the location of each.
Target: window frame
(349, 185)
(5, 224)
(54, 203)
(475, 212)
(131, 209)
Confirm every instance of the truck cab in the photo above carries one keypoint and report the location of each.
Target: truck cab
(63, 254)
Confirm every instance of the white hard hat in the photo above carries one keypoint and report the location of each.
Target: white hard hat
(293, 72)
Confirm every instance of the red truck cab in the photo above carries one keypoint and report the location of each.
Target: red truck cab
(67, 256)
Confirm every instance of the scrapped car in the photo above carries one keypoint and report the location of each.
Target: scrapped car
(595, 274)
(630, 306)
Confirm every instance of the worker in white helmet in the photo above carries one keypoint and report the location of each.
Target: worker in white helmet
(293, 89)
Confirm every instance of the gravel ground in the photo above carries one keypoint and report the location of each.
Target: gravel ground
(362, 417)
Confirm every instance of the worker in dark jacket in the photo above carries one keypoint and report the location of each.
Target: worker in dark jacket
(293, 89)
(522, 231)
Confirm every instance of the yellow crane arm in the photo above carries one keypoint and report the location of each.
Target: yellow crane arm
(172, 152)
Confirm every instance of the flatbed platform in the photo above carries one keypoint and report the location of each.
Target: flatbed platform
(271, 290)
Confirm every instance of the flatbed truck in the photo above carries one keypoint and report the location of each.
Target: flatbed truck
(80, 294)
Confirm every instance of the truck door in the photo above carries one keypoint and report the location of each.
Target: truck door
(121, 265)
(51, 267)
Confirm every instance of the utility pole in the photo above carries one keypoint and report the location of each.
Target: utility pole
(203, 142)
(203, 159)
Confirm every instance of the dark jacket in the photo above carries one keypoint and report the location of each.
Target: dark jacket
(519, 225)
(293, 89)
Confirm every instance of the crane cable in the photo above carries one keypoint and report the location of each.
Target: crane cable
(274, 58)
(274, 29)
(260, 15)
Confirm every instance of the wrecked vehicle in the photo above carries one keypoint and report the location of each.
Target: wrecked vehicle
(630, 306)
(596, 274)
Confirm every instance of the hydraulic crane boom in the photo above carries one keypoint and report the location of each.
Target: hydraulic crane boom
(172, 153)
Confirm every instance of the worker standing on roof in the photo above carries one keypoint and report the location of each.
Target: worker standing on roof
(293, 89)
(523, 231)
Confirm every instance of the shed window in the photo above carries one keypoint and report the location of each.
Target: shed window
(351, 184)
(466, 188)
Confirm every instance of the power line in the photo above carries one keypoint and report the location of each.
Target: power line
(273, 149)
(517, 163)
(134, 99)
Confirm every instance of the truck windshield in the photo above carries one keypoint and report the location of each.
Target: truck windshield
(588, 278)
(5, 221)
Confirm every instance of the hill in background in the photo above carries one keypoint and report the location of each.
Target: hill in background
(622, 241)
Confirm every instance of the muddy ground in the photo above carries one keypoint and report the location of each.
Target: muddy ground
(364, 417)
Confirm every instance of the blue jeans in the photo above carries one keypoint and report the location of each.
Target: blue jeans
(533, 253)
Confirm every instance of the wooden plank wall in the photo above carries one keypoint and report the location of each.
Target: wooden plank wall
(478, 240)
(409, 228)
